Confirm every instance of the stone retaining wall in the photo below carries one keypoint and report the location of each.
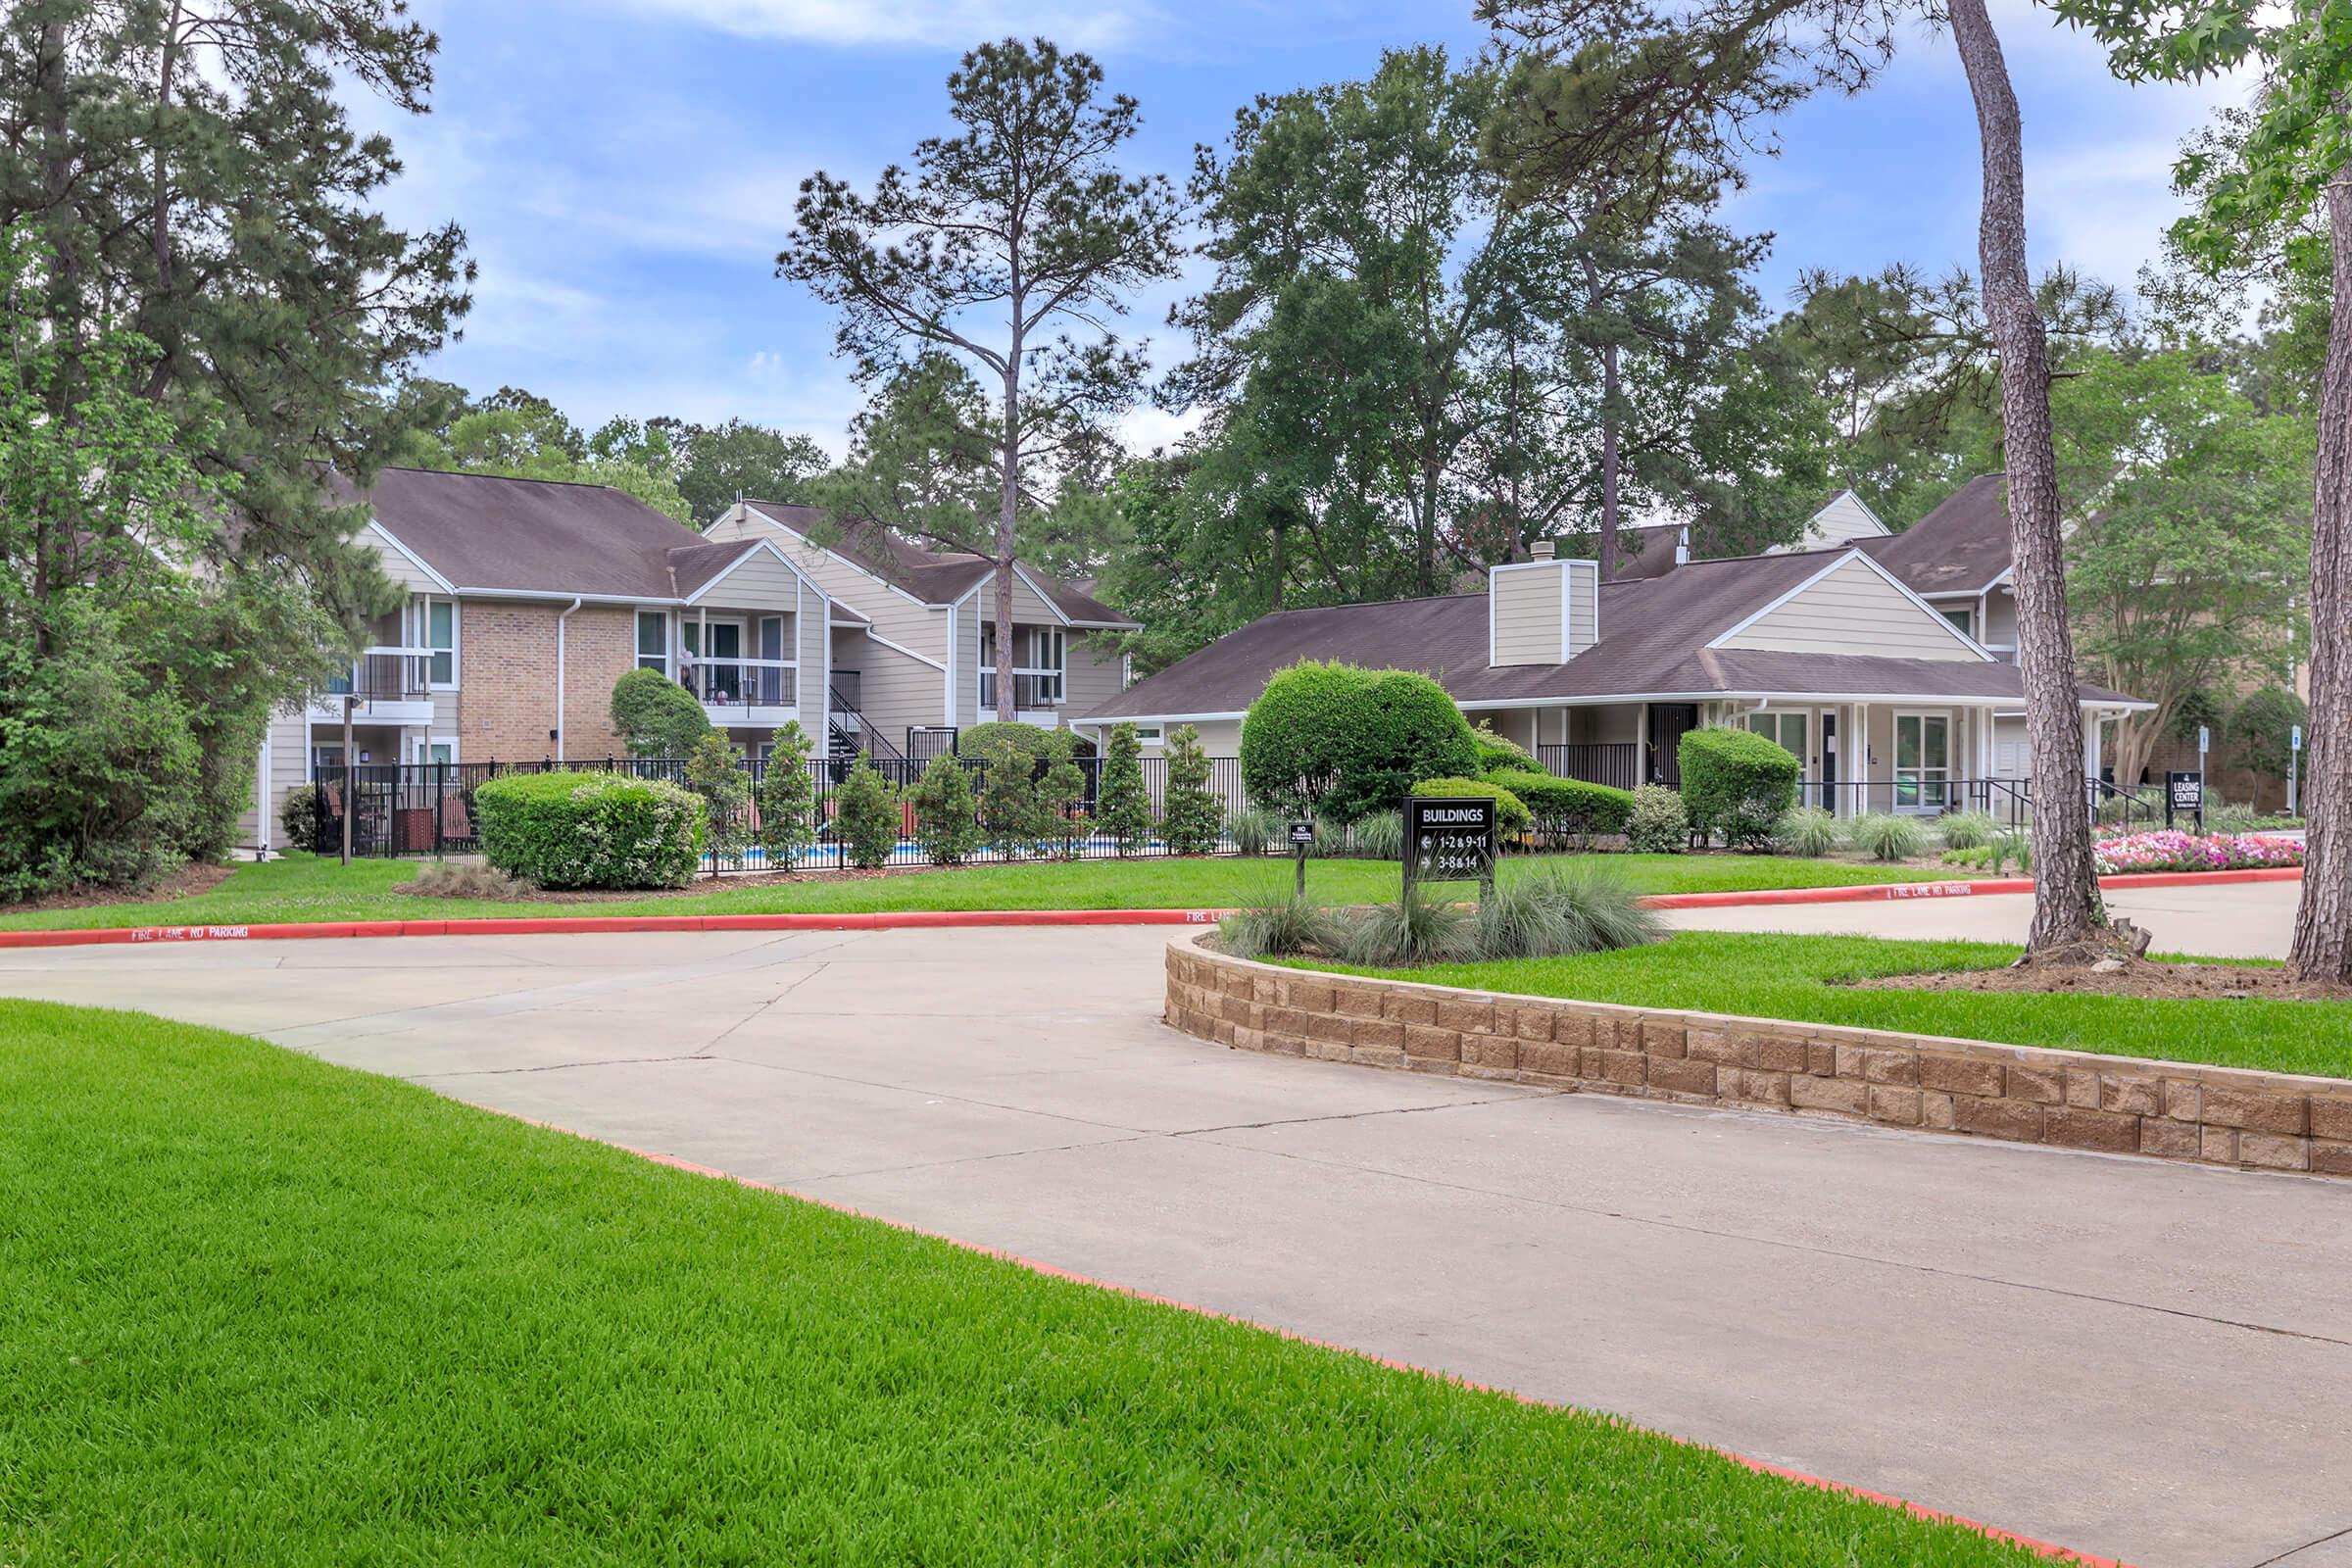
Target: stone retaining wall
(2119, 1104)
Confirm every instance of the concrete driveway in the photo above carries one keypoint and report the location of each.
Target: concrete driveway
(2141, 1360)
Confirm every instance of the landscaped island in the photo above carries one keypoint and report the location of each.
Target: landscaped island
(269, 1311)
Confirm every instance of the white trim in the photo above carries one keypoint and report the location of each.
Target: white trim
(406, 554)
(873, 636)
(1838, 564)
(425, 744)
(457, 640)
(1894, 772)
(947, 673)
(1022, 572)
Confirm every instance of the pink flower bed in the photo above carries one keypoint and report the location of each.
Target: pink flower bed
(2168, 850)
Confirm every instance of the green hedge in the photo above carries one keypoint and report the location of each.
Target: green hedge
(1511, 817)
(1736, 784)
(1567, 807)
(1332, 740)
(590, 830)
(1496, 755)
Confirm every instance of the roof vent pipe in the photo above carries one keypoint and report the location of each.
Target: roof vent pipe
(1541, 550)
(1681, 545)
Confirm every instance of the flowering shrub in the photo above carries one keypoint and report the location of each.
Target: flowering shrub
(2168, 850)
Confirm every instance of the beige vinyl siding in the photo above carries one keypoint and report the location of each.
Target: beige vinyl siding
(1842, 519)
(1091, 672)
(397, 566)
(762, 582)
(810, 635)
(895, 691)
(1527, 614)
(1583, 605)
(1853, 610)
(892, 612)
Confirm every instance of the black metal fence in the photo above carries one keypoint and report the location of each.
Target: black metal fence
(1616, 763)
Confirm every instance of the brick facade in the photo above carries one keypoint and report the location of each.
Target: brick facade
(506, 692)
(2075, 1100)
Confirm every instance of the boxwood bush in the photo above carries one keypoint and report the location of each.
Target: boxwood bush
(590, 830)
(1567, 807)
(1657, 823)
(1737, 785)
(1331, 738)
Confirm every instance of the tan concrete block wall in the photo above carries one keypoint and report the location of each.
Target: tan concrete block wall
(506, 679)
(2073, 1100)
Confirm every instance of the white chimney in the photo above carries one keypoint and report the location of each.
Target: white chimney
(1541, 612)
(1681, 545)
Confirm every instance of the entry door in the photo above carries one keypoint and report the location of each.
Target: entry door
(1668, 723)
(1923, 761)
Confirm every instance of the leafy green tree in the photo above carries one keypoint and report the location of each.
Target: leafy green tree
(1123, 807)
(2260, 730)
(865, 816)
(788, 798)
(656, 716)
(1192, 818)
(1333, 739)
(717, 464)
(2278, 181)
(2183, 572)
(1014, 817)
(946, 812)
(519, 436)
(1004, 242)
(1061, 795)
(716, 774)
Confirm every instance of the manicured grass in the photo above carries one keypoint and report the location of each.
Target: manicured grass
(1799, 977)
(303, 887)
(255, 1310)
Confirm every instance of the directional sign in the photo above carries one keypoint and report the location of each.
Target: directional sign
(1449, 840)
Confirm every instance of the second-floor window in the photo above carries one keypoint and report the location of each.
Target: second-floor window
(652, 640)
(1040, 656)
(441, 636)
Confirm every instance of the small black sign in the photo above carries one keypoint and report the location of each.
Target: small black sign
(2184, 795)
(1449, 840)
(1303, 833)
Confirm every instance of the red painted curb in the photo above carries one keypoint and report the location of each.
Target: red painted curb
(1055, 1271)
(955, 919)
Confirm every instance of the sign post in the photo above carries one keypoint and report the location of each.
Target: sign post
(1303, 836)
(1449, 840)
(351, 774)
(2295, 755)
(2184, 795)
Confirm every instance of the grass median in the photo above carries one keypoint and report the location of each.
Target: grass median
(1805, 979)
(267, 1311)
(301, 886)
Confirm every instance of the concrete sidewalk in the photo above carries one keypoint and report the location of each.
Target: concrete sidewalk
(2141, 1360)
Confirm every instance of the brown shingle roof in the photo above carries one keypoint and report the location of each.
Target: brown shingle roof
(484, 532)
(1653, 636)
(933, 576)
(1959, 547)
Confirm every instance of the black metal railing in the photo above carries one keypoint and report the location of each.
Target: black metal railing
(383, 676)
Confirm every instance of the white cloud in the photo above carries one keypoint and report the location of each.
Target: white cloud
(950, 23)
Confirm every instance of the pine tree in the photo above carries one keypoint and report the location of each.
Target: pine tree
(1124, 808)
(946, 812)
(865, 817)
(1195, 816)
(788, 799)
(713, 773)
(1061, 795)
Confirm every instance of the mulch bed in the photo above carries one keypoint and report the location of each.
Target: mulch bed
(2136, 977)
(186, 882)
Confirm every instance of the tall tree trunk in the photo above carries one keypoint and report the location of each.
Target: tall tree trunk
(1425, 545)
(1611, 386)
(2065, 885)
(2322, 944)
(1007, 509)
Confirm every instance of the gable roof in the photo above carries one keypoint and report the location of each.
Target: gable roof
(1654, 637)
(935, 576)
(1960, 547)
(485, 533)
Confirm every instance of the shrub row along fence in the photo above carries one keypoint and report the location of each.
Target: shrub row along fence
(429, 808)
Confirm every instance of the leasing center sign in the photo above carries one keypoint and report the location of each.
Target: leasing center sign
(1449, 840)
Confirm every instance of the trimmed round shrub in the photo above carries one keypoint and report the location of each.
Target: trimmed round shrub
(656, 716)
(590, 830)
(1657, 824)
(992, 739)
(1807, 830)
(1567, 807)
(1737, 785)
(1511, 817)
(1331, 739)
(298, 815)
(1494, 751)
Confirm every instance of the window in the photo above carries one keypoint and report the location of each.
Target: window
(1785, 730)
(439, 749)
(1038, 669)
(1151, 735)
(1964, 619)
(441, 636)
(1923, 755)
(652, 640)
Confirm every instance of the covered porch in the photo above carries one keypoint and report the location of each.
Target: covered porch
(1913, 757)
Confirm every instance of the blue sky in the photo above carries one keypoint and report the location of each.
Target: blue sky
(625, 168)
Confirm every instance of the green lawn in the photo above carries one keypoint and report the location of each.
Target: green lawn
(256, 1309)
(1798, 977)
(302, 888)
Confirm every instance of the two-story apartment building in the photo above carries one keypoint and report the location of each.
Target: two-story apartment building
(526, 600)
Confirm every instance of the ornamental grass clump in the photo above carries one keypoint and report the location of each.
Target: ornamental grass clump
(1278, 930)
(1808, 830)
(1966, 830)
(1417, 928)
(1380, 837)
(1884, 836)
(1252, 828)
(1600, 911)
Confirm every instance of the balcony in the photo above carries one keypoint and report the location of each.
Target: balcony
(393, 685)
(746, 693)
(1037, 696)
